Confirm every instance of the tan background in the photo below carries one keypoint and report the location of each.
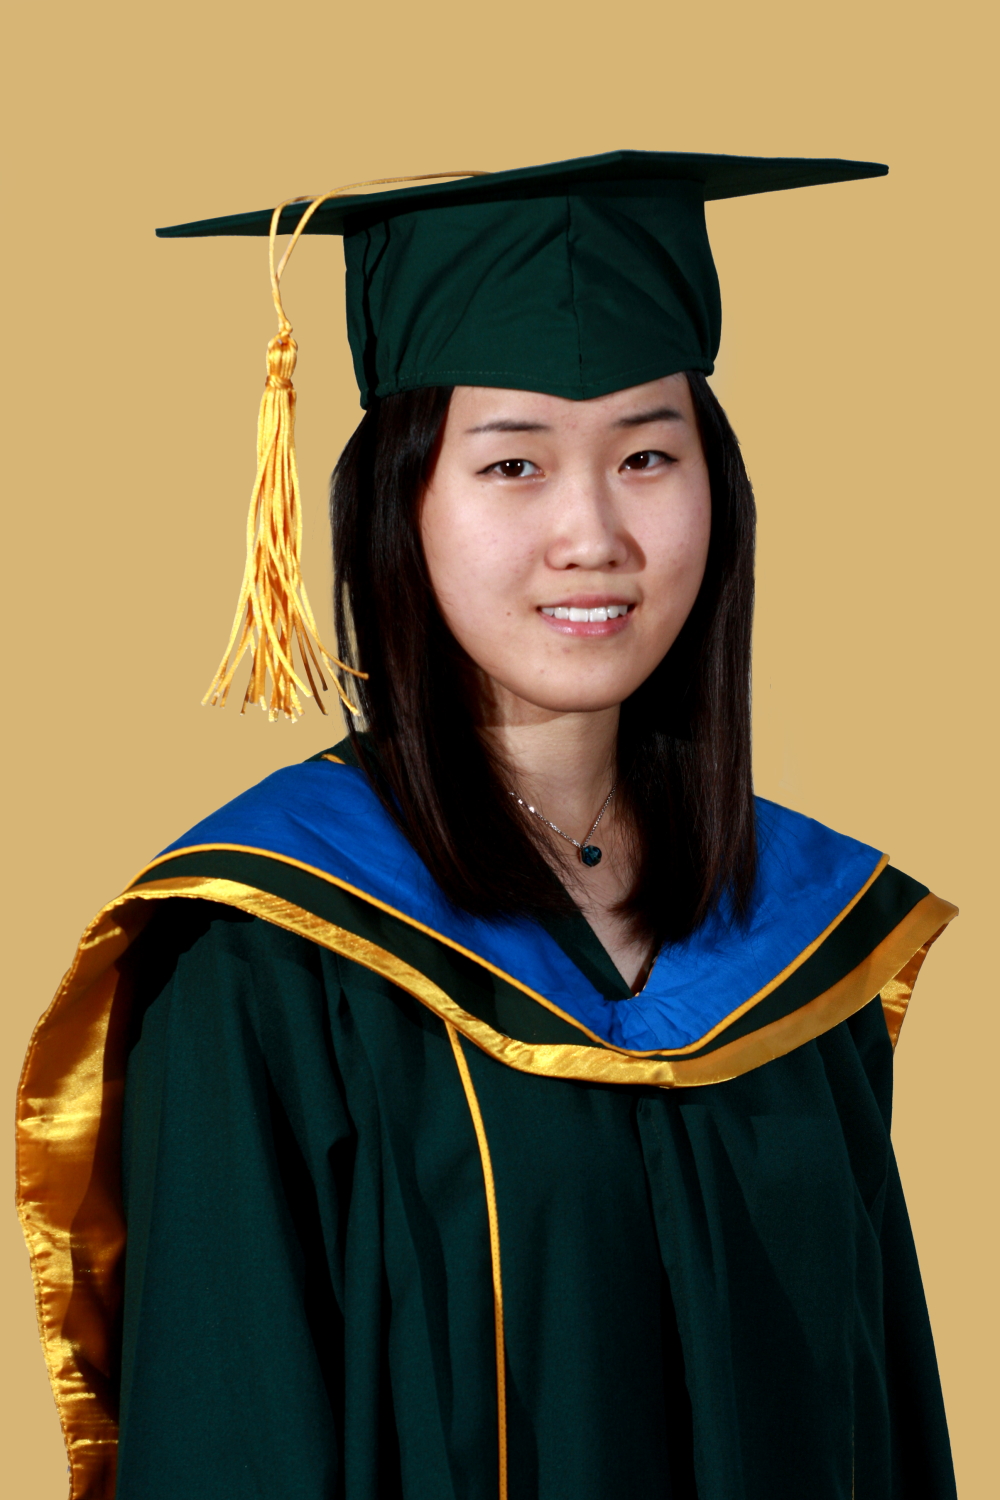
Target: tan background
(857, 365)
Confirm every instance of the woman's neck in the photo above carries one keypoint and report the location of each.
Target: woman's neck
(563, 763)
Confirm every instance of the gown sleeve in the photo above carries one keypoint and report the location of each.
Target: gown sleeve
(920, 1461)
(237, 1160)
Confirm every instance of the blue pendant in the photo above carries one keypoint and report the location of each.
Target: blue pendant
(591, 855)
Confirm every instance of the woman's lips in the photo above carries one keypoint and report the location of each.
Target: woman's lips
(590, 618)
(580, 616)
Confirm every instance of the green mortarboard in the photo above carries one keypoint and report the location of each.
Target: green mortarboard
(574, 278)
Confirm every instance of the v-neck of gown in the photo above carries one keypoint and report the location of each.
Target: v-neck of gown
(583, 947)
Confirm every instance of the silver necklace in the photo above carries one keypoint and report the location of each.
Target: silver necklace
(590, 854)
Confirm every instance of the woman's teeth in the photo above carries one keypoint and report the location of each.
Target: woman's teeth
(586, 616)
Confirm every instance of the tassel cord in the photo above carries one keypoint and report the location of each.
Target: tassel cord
(274, 615)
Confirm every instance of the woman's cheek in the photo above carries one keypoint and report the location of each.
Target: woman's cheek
(498, 561)
(676, 557)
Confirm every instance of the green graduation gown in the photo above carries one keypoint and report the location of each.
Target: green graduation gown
(372, 1254)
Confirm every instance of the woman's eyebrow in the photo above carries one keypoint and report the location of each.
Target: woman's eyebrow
(658, 414)
(639, 419)
(508, 424)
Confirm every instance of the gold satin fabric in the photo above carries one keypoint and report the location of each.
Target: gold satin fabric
(70, 1102)
(68, 1183)
(896, 993)
(494, 1223)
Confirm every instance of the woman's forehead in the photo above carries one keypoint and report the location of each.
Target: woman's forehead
(476, 410)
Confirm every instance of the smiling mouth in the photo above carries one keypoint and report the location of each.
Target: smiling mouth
(586, 616)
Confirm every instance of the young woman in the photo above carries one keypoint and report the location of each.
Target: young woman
(506, 1091)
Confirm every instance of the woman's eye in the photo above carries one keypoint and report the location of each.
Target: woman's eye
(514, 468)
(649, 458)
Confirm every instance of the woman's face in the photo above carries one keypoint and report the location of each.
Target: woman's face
(566, 540)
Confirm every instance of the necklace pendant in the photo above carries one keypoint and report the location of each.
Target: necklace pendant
(590, 854)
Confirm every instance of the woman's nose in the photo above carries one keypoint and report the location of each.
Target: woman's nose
(587, 530)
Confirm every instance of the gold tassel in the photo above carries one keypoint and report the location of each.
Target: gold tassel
(274, 616)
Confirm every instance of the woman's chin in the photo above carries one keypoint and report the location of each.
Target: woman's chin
(551, 700)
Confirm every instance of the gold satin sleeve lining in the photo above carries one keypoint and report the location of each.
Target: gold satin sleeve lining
(494, 1223)
(484, 963)
(68, 1186)
(895, 995)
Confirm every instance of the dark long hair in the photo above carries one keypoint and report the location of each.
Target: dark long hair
(684, 739)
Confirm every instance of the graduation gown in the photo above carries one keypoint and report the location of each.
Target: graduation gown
(421, 1206)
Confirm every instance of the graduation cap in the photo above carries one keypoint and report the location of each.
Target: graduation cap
(574, 278)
